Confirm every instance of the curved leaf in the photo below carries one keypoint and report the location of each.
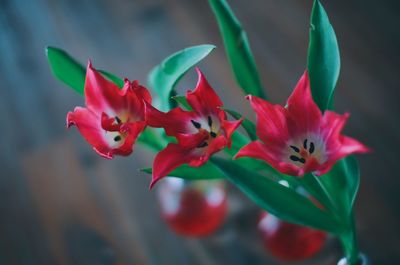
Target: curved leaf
(163, 78)
(278, 199)
(323, 57)
(237, 49)
(66, 68)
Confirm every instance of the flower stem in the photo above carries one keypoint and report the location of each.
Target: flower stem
(349, 242)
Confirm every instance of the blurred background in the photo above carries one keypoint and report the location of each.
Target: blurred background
(63, 204)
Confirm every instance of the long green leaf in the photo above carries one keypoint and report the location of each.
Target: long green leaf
(207, 171)
(66, 68)
(277, 199)
(342, 184)
(323, 57)
(163, 78)
(237, 49)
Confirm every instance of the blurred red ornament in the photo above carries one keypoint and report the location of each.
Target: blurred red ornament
(194, 208)
(289, 242)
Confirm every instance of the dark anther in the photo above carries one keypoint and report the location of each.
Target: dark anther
(202, 145)
(294, 158)
(117, 138)
(296, 149)
(297, 159)
(312, 148)
(118, 119)
(213, 134)
(196, 124)
(209, 121)
(305, 144)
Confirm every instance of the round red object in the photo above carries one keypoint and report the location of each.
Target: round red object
(289, 242)
(194, 209)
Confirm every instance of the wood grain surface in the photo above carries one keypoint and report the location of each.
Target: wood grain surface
(62, 204)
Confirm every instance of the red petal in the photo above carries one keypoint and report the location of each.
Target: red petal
(203, 99)
(89, 125)
(176, 121)
(168, 159)
(259, 150)
(271, 121)
(230, 126)
(141, 91)
(304, 112)
(216, 145)
(192, 140)
(101, 94)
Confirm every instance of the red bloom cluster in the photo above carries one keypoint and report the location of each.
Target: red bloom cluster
(296, 139)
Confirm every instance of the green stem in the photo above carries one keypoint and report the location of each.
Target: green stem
(349, 242)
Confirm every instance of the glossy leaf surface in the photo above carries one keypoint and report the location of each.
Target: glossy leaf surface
(206, 171)
(237, 49)
(66, 68)
(277, 199)
(163, 78)
(323, 57)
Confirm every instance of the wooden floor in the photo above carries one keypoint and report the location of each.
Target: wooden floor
(63, 204)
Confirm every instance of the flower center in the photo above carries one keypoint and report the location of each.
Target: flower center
(208, 125)
(307, 148)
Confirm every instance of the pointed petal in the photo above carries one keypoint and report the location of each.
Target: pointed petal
(176, 121)
(203, 99)
(304, 113)
(168, 159)
(141, 91)
(271, 121)
(230, 126)
(100, 93)
(259, 150)
(192, 140)
(89, 125)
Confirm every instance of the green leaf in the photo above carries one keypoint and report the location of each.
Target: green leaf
(206, 171)
(163, 78)
(66, 69)
(323, 57)
(248, 125)
(183, 102)
(278, 199)
(113, 78)
(342, 183)
(237, 49)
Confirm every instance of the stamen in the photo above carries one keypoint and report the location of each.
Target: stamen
(213, 134)
(297, 159)
(118, 120)
(209, 121)
(294, 158)
(296, 149)
(202, 145)
(117, 138)
(196, 124)
(312, 148)
(305, 144)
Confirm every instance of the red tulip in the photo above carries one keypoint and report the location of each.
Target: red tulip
(113, 117)
(298, 138)
(200, 133)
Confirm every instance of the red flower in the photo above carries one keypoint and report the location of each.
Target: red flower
(113, 117)
(298, 139)
(200, 133)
